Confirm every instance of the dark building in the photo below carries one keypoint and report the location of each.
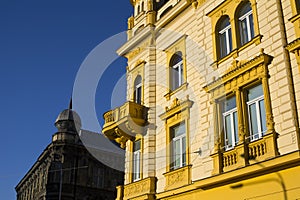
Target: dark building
(68, 170)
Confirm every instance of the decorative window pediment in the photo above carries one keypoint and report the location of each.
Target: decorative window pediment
(176, 107)
(239, 74)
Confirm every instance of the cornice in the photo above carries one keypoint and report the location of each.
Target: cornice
(135, 41)
(294, 45)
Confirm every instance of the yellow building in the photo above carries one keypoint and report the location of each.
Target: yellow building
(213, 100)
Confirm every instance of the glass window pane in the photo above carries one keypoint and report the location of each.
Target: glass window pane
(224, 37)
(253, 119)
(243, 31)
(181, 74)
(229, 104)
(251, 26)
(174, 78)
(263, 116)
(137, 145)
(136, 166)
(229, 41)
(235, 122)
(246, 8)
(178, 146)
(183, 151)
(223, 48)
(298, 6)
(255, 92)
(178, 130)
(177, 153)
(228, 131)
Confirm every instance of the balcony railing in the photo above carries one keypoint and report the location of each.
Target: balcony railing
(242, 154)
(124, 122)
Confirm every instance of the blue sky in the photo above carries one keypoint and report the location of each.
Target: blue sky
(42, 46)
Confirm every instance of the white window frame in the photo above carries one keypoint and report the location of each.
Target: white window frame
(138, 88)
(177, 67)
(181, 138)
(233, 133)
(227, 38)
(246, 17)
(136, 164)
(258, 117)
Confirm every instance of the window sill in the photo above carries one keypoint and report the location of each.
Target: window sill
(256, 40)
(234, 53)
(170, 93)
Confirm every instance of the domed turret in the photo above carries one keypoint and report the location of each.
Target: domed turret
(68, 121)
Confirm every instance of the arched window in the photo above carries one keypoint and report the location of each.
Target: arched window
(245, 23)
(142, 6)
(138, 90)
(176, 71)
(224, 36)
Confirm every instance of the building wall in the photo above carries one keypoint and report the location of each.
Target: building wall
(190, 27)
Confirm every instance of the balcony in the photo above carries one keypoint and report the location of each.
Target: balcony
(125, 122)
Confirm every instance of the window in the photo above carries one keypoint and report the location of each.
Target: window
(298, 6)
(230, 123)
(178, 146)
(234, 24)
(224, 37)
(138, 90)
(176, 71)
(256, 113)
(245, 21)
(98, 177)
(136, 160)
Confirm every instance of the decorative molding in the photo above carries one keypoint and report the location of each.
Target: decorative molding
(239, 75)
(293, 46)
(135, 52)
(178, 177)
(145, 186)
(125, 122)
(176, 107)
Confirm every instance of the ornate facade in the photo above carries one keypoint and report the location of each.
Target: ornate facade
(67, 170)
(216, 110)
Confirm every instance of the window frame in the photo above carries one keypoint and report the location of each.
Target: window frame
(138, 87)
(234, 131)
(178, 113)
(256, 101)
(227, 32)
(249, 24)
(177, 48)
(177, 80)
(136, 164)
(231, 9)
(182, 147)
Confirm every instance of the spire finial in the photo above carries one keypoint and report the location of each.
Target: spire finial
(70, 104)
